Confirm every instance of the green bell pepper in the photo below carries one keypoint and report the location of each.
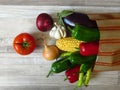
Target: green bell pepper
(85, 33)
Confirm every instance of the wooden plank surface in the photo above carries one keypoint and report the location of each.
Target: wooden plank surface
(17, 70)
(62, 2)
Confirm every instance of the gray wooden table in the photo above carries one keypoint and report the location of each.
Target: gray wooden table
(114, 3)
(29, 72)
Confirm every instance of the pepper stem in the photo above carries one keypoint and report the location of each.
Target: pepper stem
(49, 73)
(81, 75)
(80, 81)
(87, 77)
(65, 79)
(65, 54)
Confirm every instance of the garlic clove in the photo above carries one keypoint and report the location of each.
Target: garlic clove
(63, 32)
(58, 31)
(57, 34)
(51, 33)
(64, 35)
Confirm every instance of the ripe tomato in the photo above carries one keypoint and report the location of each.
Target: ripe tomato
(24, 43)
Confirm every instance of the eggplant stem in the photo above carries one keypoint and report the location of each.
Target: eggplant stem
(70, 29)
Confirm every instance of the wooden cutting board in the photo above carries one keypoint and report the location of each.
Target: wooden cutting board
(104, 16)
(109, 50)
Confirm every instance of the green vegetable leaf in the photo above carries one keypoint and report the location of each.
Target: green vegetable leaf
(62, 14)
(65, 13)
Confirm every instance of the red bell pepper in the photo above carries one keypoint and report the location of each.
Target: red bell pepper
(89, 48)
(73, 74)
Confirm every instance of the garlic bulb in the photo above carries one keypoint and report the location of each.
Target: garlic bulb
(58, 31)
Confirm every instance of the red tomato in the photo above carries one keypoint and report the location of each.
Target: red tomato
(24, 44)
(90, 48)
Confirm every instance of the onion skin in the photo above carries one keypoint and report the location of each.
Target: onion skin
(50, 52)
(44, 22)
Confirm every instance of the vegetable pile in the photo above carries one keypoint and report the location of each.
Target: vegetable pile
(78, 43)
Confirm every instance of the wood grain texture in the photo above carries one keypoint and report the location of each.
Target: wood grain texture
(62, 2)
(42, 2)
(22, 72)
(33, 11)
(104, 16)
(37, 87)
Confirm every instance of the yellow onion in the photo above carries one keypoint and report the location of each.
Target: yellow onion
(50, 52)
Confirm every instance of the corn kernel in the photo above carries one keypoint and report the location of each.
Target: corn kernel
(68, 44)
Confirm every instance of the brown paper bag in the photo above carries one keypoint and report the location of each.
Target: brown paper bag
(109, 46)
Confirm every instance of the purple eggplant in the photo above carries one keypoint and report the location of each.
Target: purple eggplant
(70, 18)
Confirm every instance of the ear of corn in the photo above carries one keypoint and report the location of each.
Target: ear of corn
(68, 44)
